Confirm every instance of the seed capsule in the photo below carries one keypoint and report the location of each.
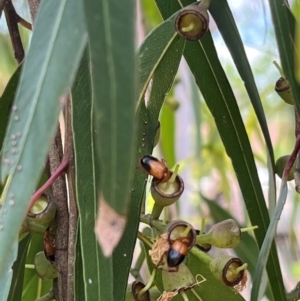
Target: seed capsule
(229, 270)
(43, 210)
(192, 22)
(283, 89)
(155, 168)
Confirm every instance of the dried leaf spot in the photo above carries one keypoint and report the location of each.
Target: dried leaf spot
(113, 223)
(109, 227)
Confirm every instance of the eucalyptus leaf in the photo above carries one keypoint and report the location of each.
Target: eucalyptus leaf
(6, 101)
(222, 15)
(79, 292)
(34, 116)
(15, 293)
(152, 51)
(162, 82)
(86, 183)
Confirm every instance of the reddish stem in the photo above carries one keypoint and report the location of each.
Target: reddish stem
(291, 160)
(63, 165)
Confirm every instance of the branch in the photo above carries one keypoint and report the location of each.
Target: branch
(24, 23)
(60, 197)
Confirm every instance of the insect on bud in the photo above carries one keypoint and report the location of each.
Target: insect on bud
(154, 167)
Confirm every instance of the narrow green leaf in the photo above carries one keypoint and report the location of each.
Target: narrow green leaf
(6, 101)
(235, 140)
(284, 25)
(79, 293)
(47, 73)
(210, 77)
(97, 269)
(86, 184)
(6, 278)
(16, 288)
(269, 240)
(152, 51)
(162, 81)
(224, 19)
(111, 29)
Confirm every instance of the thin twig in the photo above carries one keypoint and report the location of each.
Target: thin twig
(24, 23)
(50, 181)
(73, 212)
(62, 217)
(297, 166)
(290, 162)
(12, 19)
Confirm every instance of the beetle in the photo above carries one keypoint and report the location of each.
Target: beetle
(49, 245)
(154, 167)
(177, 252)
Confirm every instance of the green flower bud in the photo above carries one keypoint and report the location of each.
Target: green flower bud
(44, 268)
(283, 89)
(226, 234)
(280, 165)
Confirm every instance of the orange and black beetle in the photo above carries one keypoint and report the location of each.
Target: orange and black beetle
(154, 167)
